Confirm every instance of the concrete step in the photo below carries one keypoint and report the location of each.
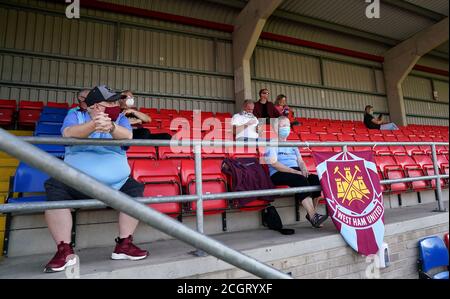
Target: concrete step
(316, 249)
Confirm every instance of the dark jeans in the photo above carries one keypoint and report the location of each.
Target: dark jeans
(58, 191)
(297, 180)
(143, 133)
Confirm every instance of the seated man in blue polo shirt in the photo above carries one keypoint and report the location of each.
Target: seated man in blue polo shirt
(108, 164)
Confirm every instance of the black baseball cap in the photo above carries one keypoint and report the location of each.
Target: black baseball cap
(101, 93)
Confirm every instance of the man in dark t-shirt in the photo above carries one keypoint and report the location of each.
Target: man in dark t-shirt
(369, 123)
(376, 123)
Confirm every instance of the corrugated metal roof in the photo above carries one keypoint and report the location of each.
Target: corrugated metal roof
(193, 8)
(439, 6)
(394, 22)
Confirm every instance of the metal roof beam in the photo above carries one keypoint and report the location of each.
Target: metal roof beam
(247, 29)
(400, 60)
(326, 25)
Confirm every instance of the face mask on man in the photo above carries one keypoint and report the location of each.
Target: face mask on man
(130, 102)
(113, 112)
(284, 132)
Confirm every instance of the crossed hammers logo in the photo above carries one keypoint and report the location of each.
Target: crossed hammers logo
(351, 186)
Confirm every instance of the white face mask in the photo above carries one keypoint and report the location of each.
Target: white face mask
(130, 102)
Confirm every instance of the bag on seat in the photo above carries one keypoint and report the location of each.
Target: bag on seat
(272, 220)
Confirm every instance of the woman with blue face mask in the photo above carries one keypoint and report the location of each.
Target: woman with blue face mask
(286, 167)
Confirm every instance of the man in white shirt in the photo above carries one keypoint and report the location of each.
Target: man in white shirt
(246, 123)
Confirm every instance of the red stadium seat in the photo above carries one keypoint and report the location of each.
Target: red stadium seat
(8, 104)
(28, 118)
(301, 129)
(334, 130)
(361, 131)
(142, 152)
(392, 171)
(161, 178)
(362, 138)
(318, 129)
(6, 117)
(153, 124)
(310, 164)
(305, 137)
(214, 181)
(168, 112)
(148, 110)
(175, 152)
(211, 152)
(243, 152)
(446, 240)
(382, 150)
(207, 114)
(328, 138)
(7, 110)
(347, 138)
(189, 114)
(223, 115)
(384, 188)
(29, 113)
(426, 163)
(31, 105)
(412, 169)
(395, 149)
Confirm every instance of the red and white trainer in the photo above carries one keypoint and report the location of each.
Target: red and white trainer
(126, 250)
(63, 258)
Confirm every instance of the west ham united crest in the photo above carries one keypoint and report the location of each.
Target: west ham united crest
(352, 190)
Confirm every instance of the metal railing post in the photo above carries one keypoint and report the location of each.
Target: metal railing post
(199, 192)
(441, 207)
(122, 202)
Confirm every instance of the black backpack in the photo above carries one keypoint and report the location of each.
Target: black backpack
(272, 220)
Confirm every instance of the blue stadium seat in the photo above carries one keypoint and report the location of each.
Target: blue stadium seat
(52, 118)
(432, 254)
(53, 110)
(27, 180)
(47, 130)
(54, 150)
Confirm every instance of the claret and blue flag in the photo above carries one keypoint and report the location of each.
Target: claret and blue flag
(352, 190)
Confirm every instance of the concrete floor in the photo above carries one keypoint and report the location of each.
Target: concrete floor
(171, 258)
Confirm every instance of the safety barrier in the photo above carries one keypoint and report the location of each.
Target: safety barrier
(23, 150)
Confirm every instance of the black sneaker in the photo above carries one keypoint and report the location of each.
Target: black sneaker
(317, 219)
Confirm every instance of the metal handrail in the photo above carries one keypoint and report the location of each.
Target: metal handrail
(32, 207)
(198, 144)
(207, 143)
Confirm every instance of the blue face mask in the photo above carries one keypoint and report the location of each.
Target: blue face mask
(284, 132)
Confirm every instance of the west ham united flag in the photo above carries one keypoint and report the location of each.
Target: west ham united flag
(352, 190)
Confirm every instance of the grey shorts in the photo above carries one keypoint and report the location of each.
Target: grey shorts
(57, 191)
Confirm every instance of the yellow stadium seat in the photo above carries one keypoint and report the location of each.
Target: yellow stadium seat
(4, 187)
(21, 132)
(2, 237)
(8, 162)
(2, 223)
(6, 173)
